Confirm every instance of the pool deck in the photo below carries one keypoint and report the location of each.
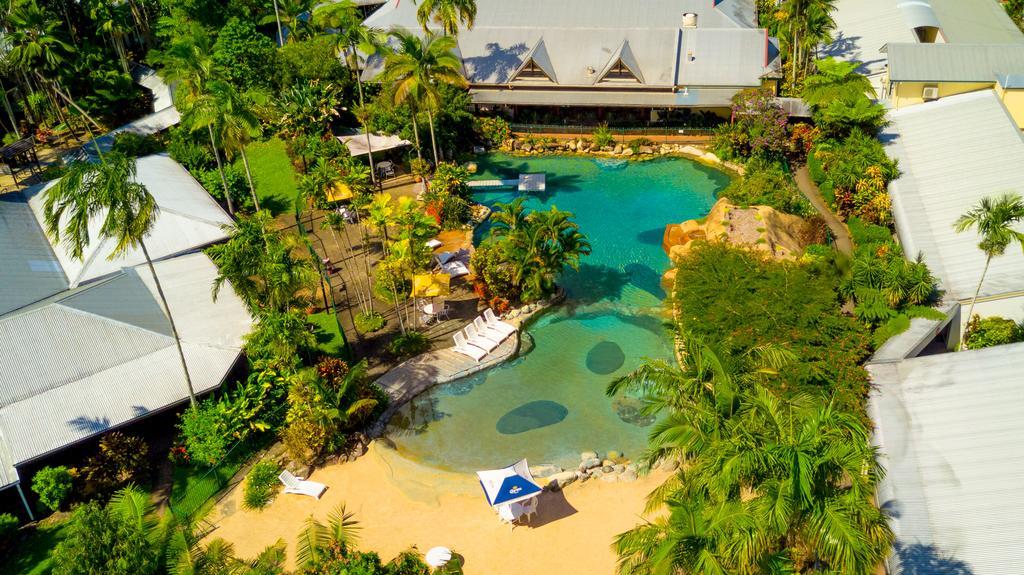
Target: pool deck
(422, 372)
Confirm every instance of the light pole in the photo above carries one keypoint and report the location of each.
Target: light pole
(280, 35)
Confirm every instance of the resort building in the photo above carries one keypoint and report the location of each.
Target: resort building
(952, 153)
(86, 346)
(582, 58)
(950, 427)
(864, 29)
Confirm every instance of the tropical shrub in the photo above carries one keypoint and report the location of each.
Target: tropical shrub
(201, 435)
(238, 186)
(243, 56)
(409, 344)
(992, 331)
(768, 184)
(135, 146)
(369, 321)
(114, 540)
(636, 143)
(53, 485)
(8, 527)
(447, 198)
(260, 484)
(419, 167)
(184, 149)
(858, 171)
(758, 129)
(121, 460)
(530, 249)
(494, 130)
(736, 301)
(494, 283)
(311, 59)
(308, 108)
(841, 117)
(884, 284)
(603, 137)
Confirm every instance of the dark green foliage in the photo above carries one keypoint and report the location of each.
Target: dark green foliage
(736, 300)
(858, 171)
(8, 527)
(768, 184)
(636, 143)
(454, 125)
(184, 148)
(121, 460)
(368, 322)
(345, 561)
(279, 336)
(885, 284)
(112, 540)
(308, 108)
(839, 118)
(758, 129)
(201, 433)
(260, 485)
(864, 233)
(448, 199)
(244, 56)
(53, 486)
(135, 146)
(991, 331)
(313, 59)
(238, 185)
(409, 344)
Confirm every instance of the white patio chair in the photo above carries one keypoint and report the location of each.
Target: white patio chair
(480, 340)
(495, 323)
(463, 347)
(299, 486)
(490, 333)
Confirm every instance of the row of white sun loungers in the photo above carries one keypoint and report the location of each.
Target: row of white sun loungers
(482, 336)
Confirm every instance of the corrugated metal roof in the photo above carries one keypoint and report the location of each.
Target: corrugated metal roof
(950, 428)
(189, 218)
(953, 62)
(976, 22)
(29, 271)
(100, 356)
(952, 153)
(575, 40)
(863, 27)
(1011, 81)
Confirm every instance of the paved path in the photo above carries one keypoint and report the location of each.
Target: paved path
(844, 243)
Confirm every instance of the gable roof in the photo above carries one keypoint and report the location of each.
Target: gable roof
(538, 56)
(101, 355)
(189, 218)
(29, 270)
(952, 153)
(625, 57)
(953, 62)
(949, 428)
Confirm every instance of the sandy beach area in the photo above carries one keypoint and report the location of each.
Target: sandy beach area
(401, 504)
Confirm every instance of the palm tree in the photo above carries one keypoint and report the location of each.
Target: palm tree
(188, 65)
(108, 190)
(318, 541)
(352, 38)
(292, 14)
(994, 220)
(835, 80)
(112, 19)
(185, 555)
(447, 13)
(415, 70)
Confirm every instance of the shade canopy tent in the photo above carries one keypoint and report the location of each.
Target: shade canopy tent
(357, 144)
(340, 191)
(508, 485)
(431, 285)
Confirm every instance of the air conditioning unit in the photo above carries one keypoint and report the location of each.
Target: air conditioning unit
(930, 93)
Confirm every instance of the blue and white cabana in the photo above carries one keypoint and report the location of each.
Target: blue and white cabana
(512, 484)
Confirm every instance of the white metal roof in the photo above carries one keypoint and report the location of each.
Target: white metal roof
(953, 62)
(950, 428)
(29, 270)
(575, 41)
(952, 153)
(189, 218)
(101, 355)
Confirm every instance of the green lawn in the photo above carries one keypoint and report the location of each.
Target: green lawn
(273, 175)
(194, 486)
(31, 556)
(328, 338)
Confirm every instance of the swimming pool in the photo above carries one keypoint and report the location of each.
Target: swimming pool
(549, 405)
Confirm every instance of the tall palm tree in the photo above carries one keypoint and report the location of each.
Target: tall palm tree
(112, 19)
(317, 541)
(292, 15)
(447, 13)
(994, 220)
(108, 190)
(188, 65)
(416, 69)
(185, 555)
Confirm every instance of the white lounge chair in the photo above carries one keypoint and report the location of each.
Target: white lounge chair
(300, 486)
(462, 347)
(480, 340)
(483, 329)
(495, 323)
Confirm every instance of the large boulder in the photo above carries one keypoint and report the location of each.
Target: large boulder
(561, 480)
(589, 455)
(617, 149)
(646, 150)
(628, 152)
(544, 470)
(589, 464)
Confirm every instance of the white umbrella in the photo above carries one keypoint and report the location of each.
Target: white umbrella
(438, 556)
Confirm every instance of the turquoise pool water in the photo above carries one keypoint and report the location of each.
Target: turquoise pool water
(550, 404)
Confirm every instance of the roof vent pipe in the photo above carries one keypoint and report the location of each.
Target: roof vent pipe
(689, 20)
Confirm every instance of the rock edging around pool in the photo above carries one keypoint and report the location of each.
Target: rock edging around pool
(417, 375)
(612, 468)
(584, 148)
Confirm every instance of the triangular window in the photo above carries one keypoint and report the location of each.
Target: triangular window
(532, 72)
(620, 73)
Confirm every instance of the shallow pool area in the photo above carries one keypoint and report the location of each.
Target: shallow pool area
(550, 404)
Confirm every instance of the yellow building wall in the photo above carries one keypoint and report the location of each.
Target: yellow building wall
(1014, 102)
(909, 93)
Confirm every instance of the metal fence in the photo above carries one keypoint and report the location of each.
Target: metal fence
(586, 131)
(188, 502)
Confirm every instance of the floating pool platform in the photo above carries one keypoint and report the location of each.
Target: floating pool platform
(525, 183)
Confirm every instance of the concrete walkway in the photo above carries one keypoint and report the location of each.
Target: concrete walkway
(422, 372)
(844, 243)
